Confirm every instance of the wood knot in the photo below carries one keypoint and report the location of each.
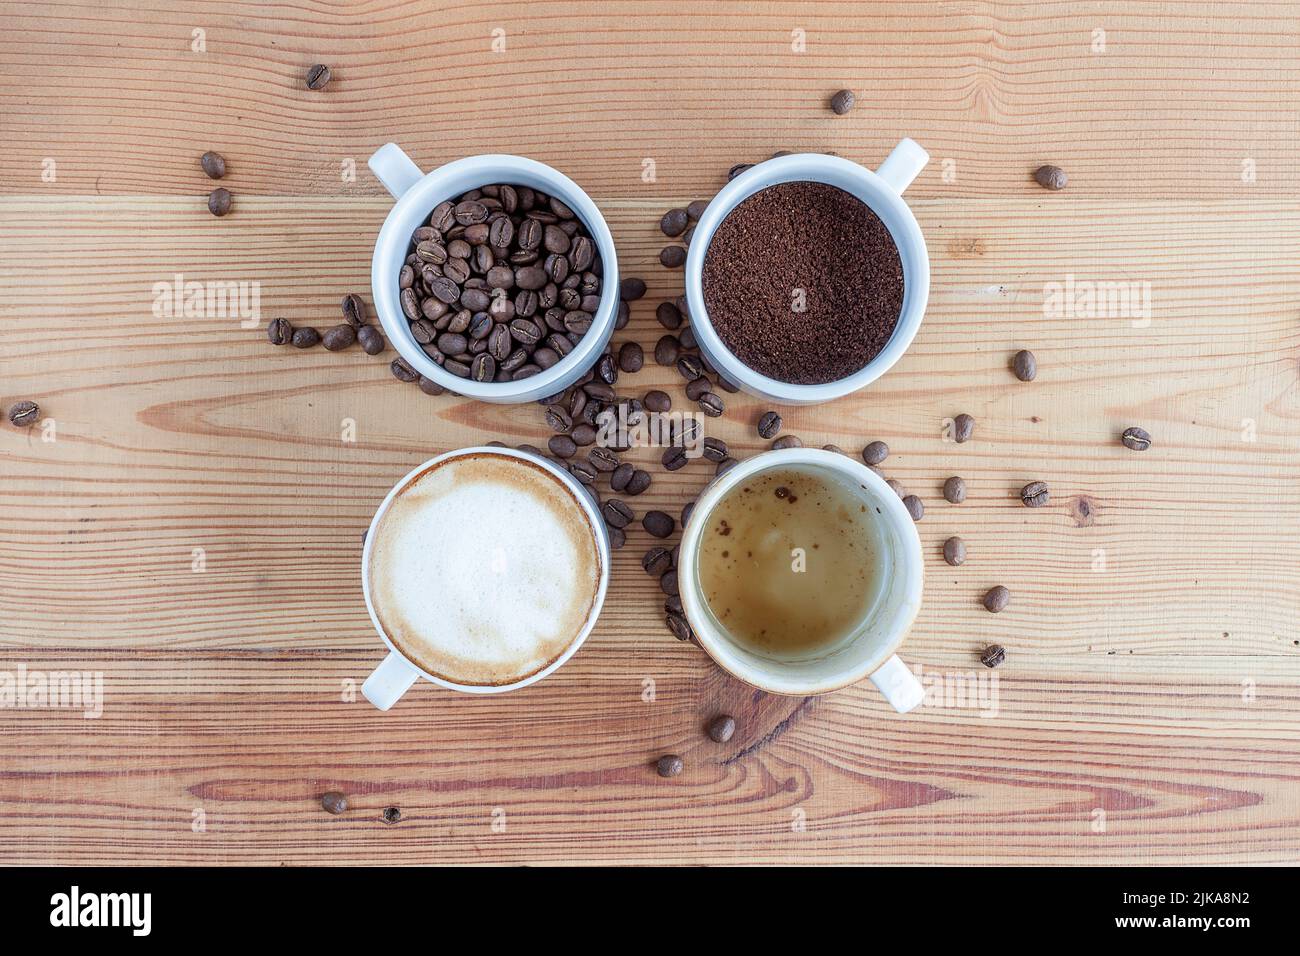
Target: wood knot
(1084, 511)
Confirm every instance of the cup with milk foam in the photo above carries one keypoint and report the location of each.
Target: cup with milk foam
(484, 570)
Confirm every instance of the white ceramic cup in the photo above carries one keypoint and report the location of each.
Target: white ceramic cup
(870, 651)
(417, 193)
(396, 673)
(883, 192)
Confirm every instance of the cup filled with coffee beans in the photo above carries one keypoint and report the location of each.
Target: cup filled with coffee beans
(494, 276)
(807, 276)
(484, 570)
(800, 572)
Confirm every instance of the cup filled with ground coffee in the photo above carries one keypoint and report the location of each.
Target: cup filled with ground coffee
(493, 276)
(484, 570)
(807, 275)
(800, 572)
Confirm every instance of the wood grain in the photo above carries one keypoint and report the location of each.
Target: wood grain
(1149, 708)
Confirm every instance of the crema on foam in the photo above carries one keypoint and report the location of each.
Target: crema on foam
(483, 569)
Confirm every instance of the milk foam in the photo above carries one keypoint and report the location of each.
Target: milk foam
(484, 569)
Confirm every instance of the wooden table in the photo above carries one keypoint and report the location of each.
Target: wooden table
(187, 521)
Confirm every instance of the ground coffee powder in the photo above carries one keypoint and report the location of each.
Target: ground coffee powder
(803, 282)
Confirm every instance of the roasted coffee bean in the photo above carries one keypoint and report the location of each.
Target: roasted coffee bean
(875, 453)
(954, 551)
(657, 561)
(339, 337)
(638, 483)
(406, 277)
(621, 476)
(672, 257)
(607, 369)
(562, 446)
(631, 288)
(480, 326)
(993, 655)
(842, 102)
(435, 253)
(769, 424)
(623, 316)
(530, 450)
(483, 368)
(697, 388)
(577, 322)
(582, 254)
(430, 387)
(657, 401)
(470, 211)
(617, 538)
(712, 405)
(630, 357)
(721, 728)
(334, 802)
(1051, 177)
(963, 427)
(674, 457)
(219, 201)
(452, 343)
(1136, 439)
(602, 459)
(402, 371)
(305, 337)
(787, 441)
(583, 471)
(688, 509)
(1025, 365)
(835, 448)
(669, 316)
(677, 623)
(695, 208)
(24, 414)
(954, 490)
(674, 222)
(617, 514)
(457, 367)
(584, 434)
(725, 466)
(354, 310)
(1035, 494)
(214, 164)
(736, 170)
(915, 507)
(897, 488)
(558, 420)
(667, 350)
(668, 584)
(669, 765)
(279, 331)
(371, 339)
(715, 449)
(997, 599)
(658, 524)
(600, 391)
(686, 338)
(689, 367)
(526, 332)
(318, 76)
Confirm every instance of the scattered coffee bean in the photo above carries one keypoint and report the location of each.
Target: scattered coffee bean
(695, 208)
(690, 367)
(997, 599)
(658, 524)
(1136, 439)
(657, 561)
(24, 414)
(674, 457)
(842, 102)
(1051, 177)
(631, 288)
(721, 728)
(712, 405)
(392, 815)
(736, 170)
(677, 623)
(621, 476)
(667, 350)
(674, 222)
(954, 490)
(318, 76)
(583, 471)
(668, 315)
(769, 423)
(963, 427)
(669, 765)
(305, 337)
(787, 441)
(1035, 494)
(638, 483)
(214, 164)
(725, 466)
(672, 257)
(617, 538)
(630, 357)
(668, 583)
(617, 513)
(219, 201)
(603, 460)
(334, 802)
(279, 331)
(954, 551)
(835, 448)
(430, 387)
(354, 310)
(993, 655)
(657, 401)
(1025, 365)
(562, 446)
(402, 371)
(339, 337)
(715, 449)
(875, 453)
(688, 509)
(915, 507)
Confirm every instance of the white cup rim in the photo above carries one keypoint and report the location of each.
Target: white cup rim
(812, 167)
(594, 520)
(719, 647)
(391, 247)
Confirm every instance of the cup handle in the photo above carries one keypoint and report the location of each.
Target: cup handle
(899, 168)
(389, 681)
(896, 681)
(395, 170)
